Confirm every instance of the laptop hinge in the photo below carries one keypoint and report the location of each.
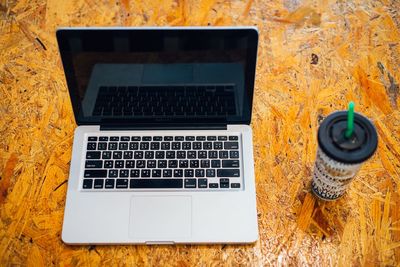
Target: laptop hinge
(146, 127)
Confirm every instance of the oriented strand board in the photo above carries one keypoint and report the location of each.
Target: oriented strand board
(314, 56)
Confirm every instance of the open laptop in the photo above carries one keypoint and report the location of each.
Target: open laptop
(163, 150)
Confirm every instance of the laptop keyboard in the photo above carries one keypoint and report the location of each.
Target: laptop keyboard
(210, 100)
(193, 162)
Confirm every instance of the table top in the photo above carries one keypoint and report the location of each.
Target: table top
(314, 57)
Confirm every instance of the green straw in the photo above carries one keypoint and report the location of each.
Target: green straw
(350, 121)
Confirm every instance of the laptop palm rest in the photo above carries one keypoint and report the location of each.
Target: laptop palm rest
(160, 218)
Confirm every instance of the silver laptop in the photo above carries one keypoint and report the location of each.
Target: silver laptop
(163, 150)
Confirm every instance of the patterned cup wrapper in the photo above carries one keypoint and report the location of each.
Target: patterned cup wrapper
(331, 178)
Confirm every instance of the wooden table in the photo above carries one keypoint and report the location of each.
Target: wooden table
(314, 57)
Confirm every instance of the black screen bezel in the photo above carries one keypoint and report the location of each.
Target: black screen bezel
(250, 68)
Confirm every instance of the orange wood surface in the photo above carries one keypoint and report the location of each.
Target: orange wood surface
(314, 57)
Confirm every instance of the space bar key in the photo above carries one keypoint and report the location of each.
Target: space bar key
(156, 183)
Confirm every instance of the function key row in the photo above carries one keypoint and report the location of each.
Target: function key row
(164, 145)
(163, 138)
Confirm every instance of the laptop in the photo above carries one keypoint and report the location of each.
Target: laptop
(163, 150)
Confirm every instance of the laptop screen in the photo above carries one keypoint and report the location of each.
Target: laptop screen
(172, 75)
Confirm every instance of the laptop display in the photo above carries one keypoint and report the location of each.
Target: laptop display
(169, 76)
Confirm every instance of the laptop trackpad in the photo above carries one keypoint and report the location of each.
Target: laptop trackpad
(160, 218)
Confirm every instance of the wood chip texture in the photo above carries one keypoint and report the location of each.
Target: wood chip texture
(314, 57)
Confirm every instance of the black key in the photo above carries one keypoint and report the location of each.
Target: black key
(231, 145)
(160, 154)
(157, 138)
(123, 146)
(194, 163)
(123, 173)
(162, 164)
(228, 173)
(191, 154)
(235, 185)
(91, 146)
(114, 138)
(215, 163)
(93, 154)
(230, 163)
(138, 155)
(213, 154)
(145, 173)
(122, 183)
(181, 154)
(133, 146)
(125, 138)
(168, 138)
(146, 138)
(199, 173)
(103, 138)
(154, 145)
(128, 154)
(98, 183)
(190, 183)
(213, 185)
(200, 138)
(223, 181)
(176, 145)
(109, 183)
(94, 164)
(102, 146)
(222, 138)
(130, 164)
(178, 173)
(197, 145)
(207, 145)
(233, 138)
(140, 164)
(202, 183)
(167, 173)
(183, 163)
(218, 145)
(211, 138)
(117, 155)
(87, 184)
(108, 164)
(172, 164)
(170, 155)
(144, 145)
(179, 138)
(151, 164)
(156, 183)
(135, 138)
(135, 173)
(189, 173)
(165, 145)
(95, 173)
(205, 163)
(119, 164)
(234, 154)
(112, 173)
(189, 138)
(223, 154)
(202, 154)
(156, 173)
(149, 155)
(186, 145)
(210, 173)
(112, 146)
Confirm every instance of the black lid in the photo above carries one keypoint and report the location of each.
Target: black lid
(360, 147)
